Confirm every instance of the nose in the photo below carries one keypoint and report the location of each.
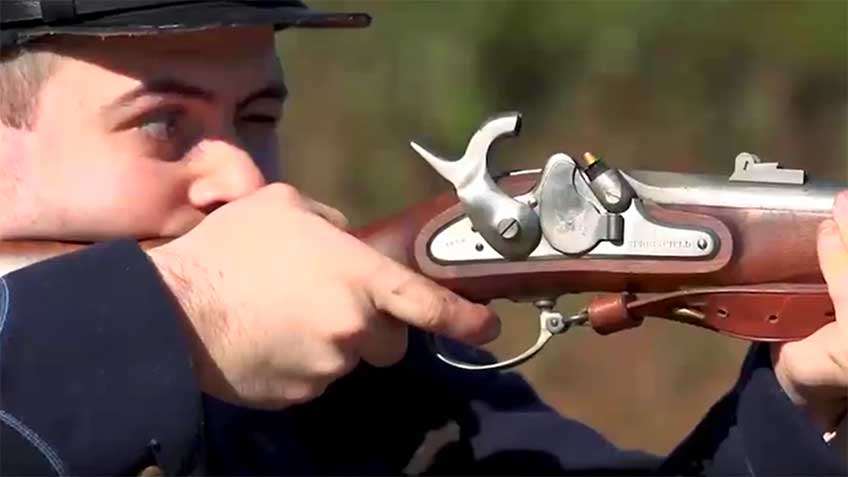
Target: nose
(224, 172)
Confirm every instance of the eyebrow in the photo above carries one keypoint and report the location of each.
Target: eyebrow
(169, 86)
(275, 92)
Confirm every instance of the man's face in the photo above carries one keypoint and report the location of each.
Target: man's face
(142, 137)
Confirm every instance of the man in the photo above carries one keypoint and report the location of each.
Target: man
(117, 129)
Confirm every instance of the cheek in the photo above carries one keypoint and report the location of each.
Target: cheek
(147, 201)
(139, 191)
(134, 200)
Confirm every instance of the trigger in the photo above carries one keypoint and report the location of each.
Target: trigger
(551, 323)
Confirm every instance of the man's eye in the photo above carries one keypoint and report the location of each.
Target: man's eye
(162, 127)
(260, 119)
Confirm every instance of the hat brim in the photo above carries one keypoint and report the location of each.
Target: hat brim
(188, 17)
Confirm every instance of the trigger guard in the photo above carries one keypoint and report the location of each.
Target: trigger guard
(541, 341)
(547, 330)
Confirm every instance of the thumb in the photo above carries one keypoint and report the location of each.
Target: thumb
(833, 260)
(330, 214)
(420, 302)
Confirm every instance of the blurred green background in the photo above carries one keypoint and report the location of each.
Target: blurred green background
(663, 85)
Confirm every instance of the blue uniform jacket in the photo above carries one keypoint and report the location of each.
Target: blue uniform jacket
(96, 379)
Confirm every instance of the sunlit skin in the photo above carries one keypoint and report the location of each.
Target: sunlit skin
(145, 136)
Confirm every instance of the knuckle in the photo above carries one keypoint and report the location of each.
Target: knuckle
(303, 392)
(434, 309)
(348, 331)
(333, 367)
(375, 277)
(284, 192)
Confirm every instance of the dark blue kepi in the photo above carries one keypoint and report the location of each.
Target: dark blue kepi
(24, 20)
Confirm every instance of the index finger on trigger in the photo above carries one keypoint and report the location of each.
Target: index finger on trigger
(422, 303)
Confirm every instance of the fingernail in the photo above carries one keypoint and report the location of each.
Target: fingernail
(828, 226)
(840, 206)
(830, 240)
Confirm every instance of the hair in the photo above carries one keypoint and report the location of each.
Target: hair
(23, 71)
